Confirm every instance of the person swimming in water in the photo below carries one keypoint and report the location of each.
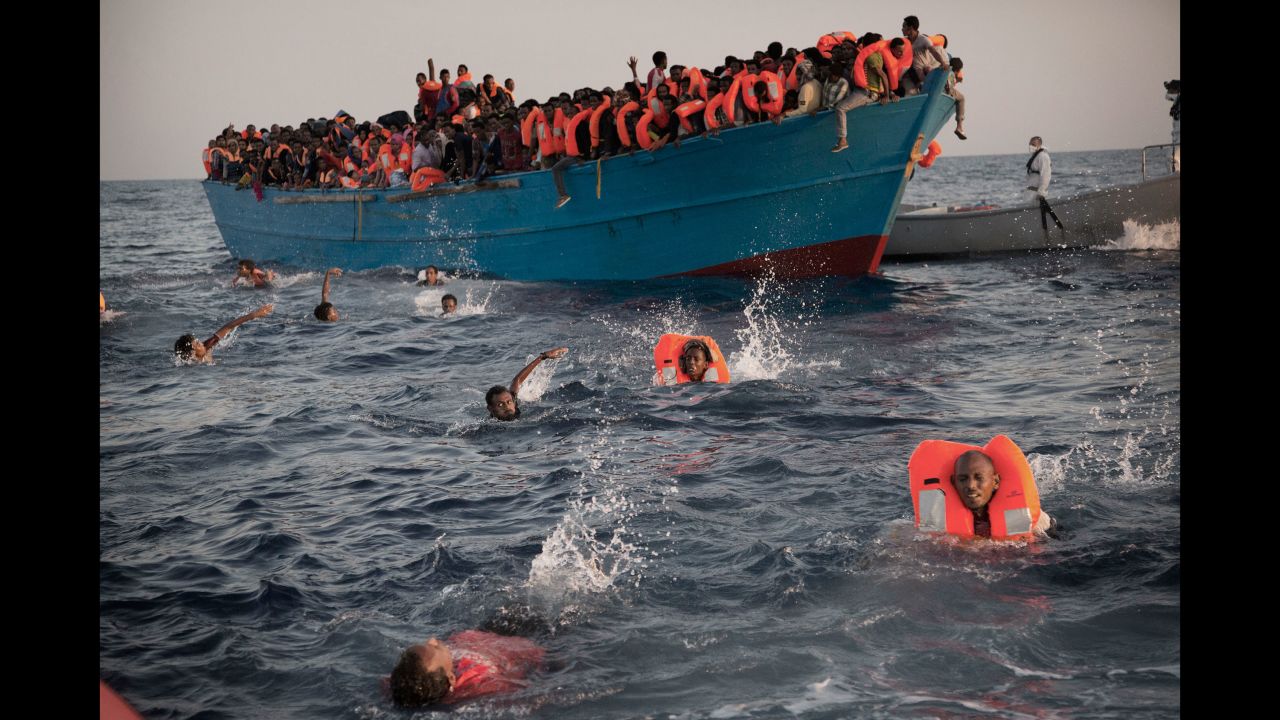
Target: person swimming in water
(470, 664)
(680, 359)
(325, 311)
(501, 401)
(449, 304)
(253, 275)
(976, 481)
(430, 276)
(189, 348)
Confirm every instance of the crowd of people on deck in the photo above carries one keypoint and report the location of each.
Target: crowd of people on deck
(462, 130)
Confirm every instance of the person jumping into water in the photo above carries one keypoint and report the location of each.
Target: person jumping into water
(325, 311)
(189, 348)
(502, 402)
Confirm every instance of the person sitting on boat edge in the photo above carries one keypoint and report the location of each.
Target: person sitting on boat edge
(956, 66)
(252, 275)
(430, 276)
(325, 311)
(189, 348)
(448, 305)
(502, 402)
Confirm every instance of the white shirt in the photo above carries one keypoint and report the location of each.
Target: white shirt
(1043, 166)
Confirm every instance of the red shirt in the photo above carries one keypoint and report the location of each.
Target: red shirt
(487, 664)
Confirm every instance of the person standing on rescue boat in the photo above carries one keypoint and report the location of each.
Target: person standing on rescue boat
(976, 481)
(502, 401)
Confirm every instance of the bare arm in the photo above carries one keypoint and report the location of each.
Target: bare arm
(631, 63)
(263, 311)
(431, 69)
(937, 54)
(524, 374)
(324, 291)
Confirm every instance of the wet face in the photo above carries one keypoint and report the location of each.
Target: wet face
(696, 363)
(975, 479)
(331, 315)
(198, 350)
(432, 276)
(437, 656)
(449, 305)
(503, 406)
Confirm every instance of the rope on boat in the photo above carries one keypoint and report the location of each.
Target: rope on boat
(599, 169)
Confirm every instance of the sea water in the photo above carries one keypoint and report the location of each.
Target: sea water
(277, 526)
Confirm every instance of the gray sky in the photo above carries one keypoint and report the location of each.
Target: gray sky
(1085, 74)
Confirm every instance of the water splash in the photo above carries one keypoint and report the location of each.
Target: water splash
(473, 301)
(1137, 236)
(110, 316)
(767, 339)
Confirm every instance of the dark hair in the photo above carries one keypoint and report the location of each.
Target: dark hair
(690, 345)
(494, 392)
(775, 50)
(896, 42)
(322, 310)
(659, 57)
(413, 686)
(911, 21)
(449, 297)
(869, 38)
(182, 348)
(247, 264)
(957, 63)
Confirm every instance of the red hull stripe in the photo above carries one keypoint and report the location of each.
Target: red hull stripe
(851, 257)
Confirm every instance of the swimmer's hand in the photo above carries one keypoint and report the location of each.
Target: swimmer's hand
(263, 311)
(336, 272)
(555, 353)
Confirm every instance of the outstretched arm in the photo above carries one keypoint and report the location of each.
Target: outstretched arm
(431, 69)
(263, 311)
(631, 63)
(324, 291)
(523, 374)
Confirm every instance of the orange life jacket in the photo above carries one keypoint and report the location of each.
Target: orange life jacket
(102, 302)
(557, 130)
(430, 85)
(731, 98)
(940, 40)
(571, 134)
(347, 182)
(935, 149)
(891, 63)
(424, 177)
(605, 103)
(546, 141)
(1014, 508)
(464, 77)
(709, 114)
(832, 39)
(642, 130)
(684, 111)
(624, 137)
(773, 103)
(669, 368)
(697, 82)
(748, 90)
(206, 157)
(526, 126)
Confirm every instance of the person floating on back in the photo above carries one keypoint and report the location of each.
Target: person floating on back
(251, 275)
(501, 401)
(973, 491)
(688, 358)
(473, 663)
(189, 348)
(325, 311)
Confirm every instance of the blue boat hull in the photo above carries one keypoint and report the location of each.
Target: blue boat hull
(762, 195)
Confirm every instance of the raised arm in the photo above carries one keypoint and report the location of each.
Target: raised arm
(631, 63)
(431, 69)
(523, 374)
(263, 311)
(324, 291)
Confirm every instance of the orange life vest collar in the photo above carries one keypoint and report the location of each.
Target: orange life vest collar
(669, 369)
(1014, 508)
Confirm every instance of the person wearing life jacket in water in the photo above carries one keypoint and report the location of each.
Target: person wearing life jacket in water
(877, 87)
(980, 502)
(680, 359)
(502, 402)
(325, 311)
(247, 273)
(189, 348)
(490, 660)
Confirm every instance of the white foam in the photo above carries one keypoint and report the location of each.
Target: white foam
(766, 346)
(473, 301)
(1137, 236)
(108, 316)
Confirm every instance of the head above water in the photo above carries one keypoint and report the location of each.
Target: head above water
(188, 347)
(423, 675)
(501, 403)
(695, 358)
(448, 304)
(975, 479)
(326, 312)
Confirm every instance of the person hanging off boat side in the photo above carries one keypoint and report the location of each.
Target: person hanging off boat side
(325, 311)
(502, 402)
(971, 491)
(189, 348)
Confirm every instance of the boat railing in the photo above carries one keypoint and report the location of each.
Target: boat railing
(1174, 156)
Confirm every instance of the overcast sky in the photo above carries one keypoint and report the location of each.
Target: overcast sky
(1085, 75)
